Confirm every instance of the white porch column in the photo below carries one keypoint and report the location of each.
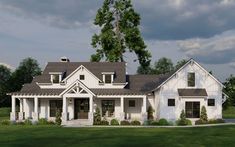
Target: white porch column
(64, 111)
(144, 109)
(122, 113)
(21, 113)
(13, 109)
(35, 113)
(91, 110)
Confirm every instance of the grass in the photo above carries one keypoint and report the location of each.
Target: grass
(229, 112)
(4, 113)
(58, 136)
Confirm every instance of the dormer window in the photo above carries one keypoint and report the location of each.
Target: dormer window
(56, 77)
(191, 79)
(108, 77)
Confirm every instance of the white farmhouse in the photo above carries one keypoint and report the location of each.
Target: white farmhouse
(78, 88)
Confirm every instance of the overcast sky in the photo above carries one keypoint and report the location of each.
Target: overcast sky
(177, 29)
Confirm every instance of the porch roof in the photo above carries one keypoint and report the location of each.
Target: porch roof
(192, 92)
(116, 92)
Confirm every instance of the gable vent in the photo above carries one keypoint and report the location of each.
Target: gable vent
(64, 59)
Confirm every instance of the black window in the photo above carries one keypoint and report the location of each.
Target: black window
(171, 102)
(211, 102)
(191, 79)
(108, 107)
(82, 77)
(108, 78)
(55, 105)
(131, 103)
(192, 109)
(55, 78)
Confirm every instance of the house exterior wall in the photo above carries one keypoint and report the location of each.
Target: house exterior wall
(170, 91)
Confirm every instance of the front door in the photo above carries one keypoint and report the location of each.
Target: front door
(192, 109)
(81, 108)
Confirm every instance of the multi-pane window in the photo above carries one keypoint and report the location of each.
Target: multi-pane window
(108, 107)
(192, 109)
(55, 105)
(211, 102)
(191, 79)
(131, 103)
(108, 78)
(56, 78)
(171, 102)
(82, 77)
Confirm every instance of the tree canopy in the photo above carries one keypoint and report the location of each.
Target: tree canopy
(230, 91)
(5, 74)
(119, 33)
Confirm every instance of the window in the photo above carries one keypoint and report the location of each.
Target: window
(191, 79)
(131, 103)
(108, 107)
(55, 105)
(192, 109)
(108, 78)
(55, 78)
(82, 77)
(211, 102)
(171, 102)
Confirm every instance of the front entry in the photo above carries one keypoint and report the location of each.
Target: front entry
(81, 108)
(192, 109)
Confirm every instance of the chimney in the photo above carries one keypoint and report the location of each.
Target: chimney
(64, 59)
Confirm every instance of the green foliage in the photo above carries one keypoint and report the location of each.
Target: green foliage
(114, 122)
(230, 91)
(183, 121)
(203, 115)
(20, 123)
(97, 116)
(42, 121)
(104, 122)
(135, 123)
(5, 75)
(229, 112)
(28, 122)
(163, 122)
(58, 117)
(154, 123)
(180, 63)
(216, 121)
(150, 113)
(163, 66)
(119, 33)
(125, 123)
(5, 122)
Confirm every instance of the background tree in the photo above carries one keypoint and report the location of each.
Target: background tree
(180, 63)
(119, 33)
(5, 74)
(163, 66)
(230, 91)
(27, 69)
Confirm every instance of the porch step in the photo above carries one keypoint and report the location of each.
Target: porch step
(78, 122)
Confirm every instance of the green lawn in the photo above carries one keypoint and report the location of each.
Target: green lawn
(58, 136)
(229, 112)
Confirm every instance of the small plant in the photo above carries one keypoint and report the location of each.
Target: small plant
(28, 122)
(104, 122)
(114, 122)
(125, 123)
(135, 123)
(5, 122)
(58, 118)
(203, 115)
(154, 123)
(163, 122)
(150, 113)
(147, 122)
(97, 117)
(183, 121)
(51, 122)
(42, 121)
(20, 123)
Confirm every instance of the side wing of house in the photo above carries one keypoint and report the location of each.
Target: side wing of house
(190, 88)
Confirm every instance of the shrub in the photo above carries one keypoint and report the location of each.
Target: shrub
(154, 123)
(28, 122)
(147, 122)
(203, 115)
(150, 113)
(97, 117)
(114, 122)
(200, 122)
(216, 121)
(220, 121)
(163, 122)
(135, 123)
(5, 122)
(183, 121)
(57, 118)
(20, 123)
(125, 123)
(104, 122)
(42, 121)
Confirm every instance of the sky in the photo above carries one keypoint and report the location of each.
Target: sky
(178, 29)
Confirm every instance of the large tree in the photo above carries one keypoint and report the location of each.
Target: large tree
(27, 69)
(119, 33)
(5, 74)
(230, 91)
(163, 65)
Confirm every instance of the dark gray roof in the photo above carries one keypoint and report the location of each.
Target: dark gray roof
(119, 68)
(116, 92)
(192, 92)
